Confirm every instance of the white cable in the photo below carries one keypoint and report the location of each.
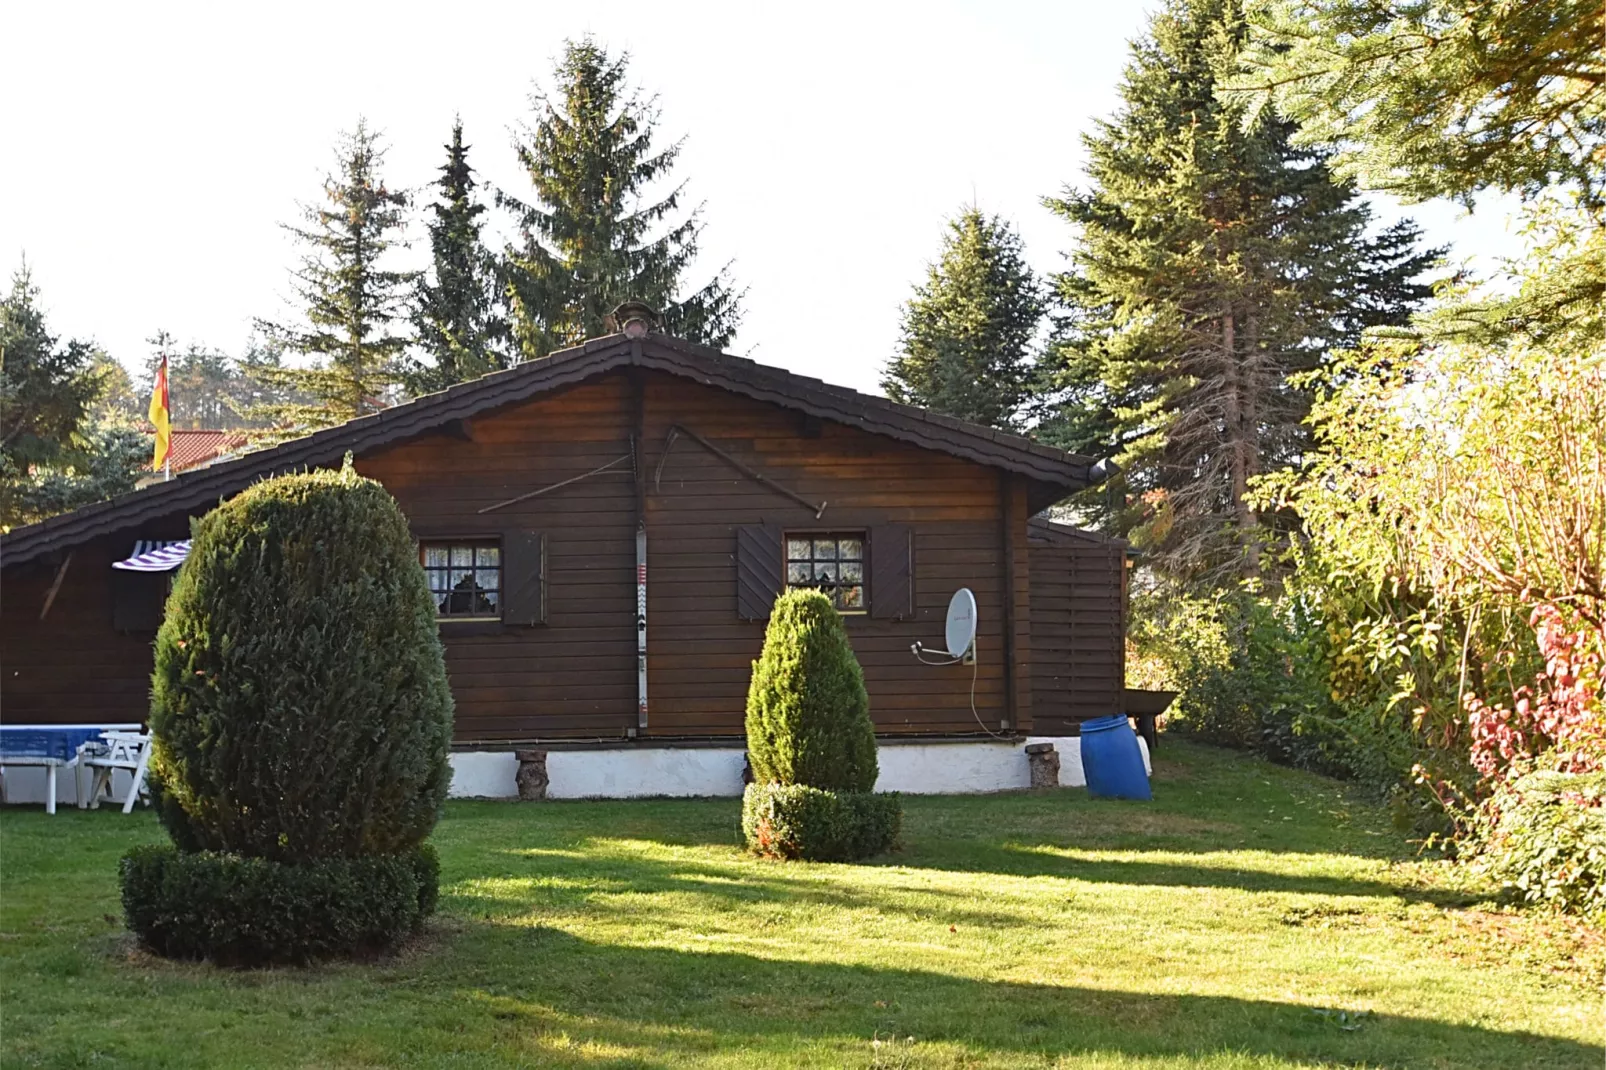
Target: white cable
(975, 667)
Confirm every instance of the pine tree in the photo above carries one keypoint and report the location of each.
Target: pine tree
(594, 237)
(967, 332)
(458, 306)
(349, 300)
(62, 443)
(1216, 263)
(45, 386)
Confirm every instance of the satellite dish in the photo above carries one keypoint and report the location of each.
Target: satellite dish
(961, 631)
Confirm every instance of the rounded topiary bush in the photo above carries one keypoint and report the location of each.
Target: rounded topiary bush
(299, 709)
(811, 744)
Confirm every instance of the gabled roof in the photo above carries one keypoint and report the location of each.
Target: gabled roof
(1052, 473)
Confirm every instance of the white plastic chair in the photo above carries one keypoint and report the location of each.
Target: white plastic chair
(121, 750)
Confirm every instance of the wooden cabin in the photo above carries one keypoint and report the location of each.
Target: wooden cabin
(532, 491)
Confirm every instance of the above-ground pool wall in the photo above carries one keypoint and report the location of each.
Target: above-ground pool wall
(937, 768)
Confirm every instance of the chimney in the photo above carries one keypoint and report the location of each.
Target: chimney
(635, 319)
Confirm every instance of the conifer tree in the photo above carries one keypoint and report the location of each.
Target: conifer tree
(1215, 264)
(350, 301)
(458, 307)
(1440, 99)
(46, 387)
(967, 332)
(62, 441)
(595, 236)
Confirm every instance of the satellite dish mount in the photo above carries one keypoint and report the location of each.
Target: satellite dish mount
(959, 633)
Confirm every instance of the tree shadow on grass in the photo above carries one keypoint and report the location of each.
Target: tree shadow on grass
(1053, 860)
(641, 1006)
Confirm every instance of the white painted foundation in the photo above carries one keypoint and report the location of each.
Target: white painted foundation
(959, 768)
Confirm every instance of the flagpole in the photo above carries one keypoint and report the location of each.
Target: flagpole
(167, 462)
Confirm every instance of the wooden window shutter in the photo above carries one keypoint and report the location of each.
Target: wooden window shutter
(138, 600)
(523, 578)
(759, 565)
(892, 572)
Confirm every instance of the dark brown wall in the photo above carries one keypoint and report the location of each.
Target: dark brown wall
(1078, 630)
(701, 653)
(574, 675)
(72, 666)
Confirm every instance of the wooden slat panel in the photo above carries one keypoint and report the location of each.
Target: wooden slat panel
(892, 591)
(758, 570)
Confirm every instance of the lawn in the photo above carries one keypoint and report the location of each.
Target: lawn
(1251, 917)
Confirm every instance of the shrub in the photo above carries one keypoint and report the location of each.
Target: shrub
(301, 723)
(239, 911)
(808, 714)
(1547, 840)
(811, 743)
(799, 822)
(299, 704)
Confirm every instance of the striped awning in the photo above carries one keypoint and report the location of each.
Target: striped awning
(152, 556)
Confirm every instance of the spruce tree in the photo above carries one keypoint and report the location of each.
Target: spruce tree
(594, 236)
(1216, 262)
(458, 306)
(1441, 99)
(967, 332)
(349, 301)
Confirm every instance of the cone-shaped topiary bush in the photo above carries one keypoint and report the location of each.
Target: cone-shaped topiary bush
(808, 714)
(300, 713)
(811, 743)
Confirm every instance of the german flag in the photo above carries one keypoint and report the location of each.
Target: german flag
(161, 416)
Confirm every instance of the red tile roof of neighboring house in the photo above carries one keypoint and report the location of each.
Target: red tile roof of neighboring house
(191, 449)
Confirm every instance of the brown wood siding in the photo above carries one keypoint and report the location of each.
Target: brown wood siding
(73, 666)
(574, 675)
(1078, 632)
(700, 652)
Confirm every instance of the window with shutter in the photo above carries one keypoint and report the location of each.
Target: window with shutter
(831, 563)
(465, 578)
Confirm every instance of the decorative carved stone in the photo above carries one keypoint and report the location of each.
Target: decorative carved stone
(1044, 762)
(531, 778)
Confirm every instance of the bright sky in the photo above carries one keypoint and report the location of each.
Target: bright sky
(154, 149)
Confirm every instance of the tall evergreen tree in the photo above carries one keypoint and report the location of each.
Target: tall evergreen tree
(967, 332)
(62, 442)
(1441, 99)
(458, 307)
(1215, 264)
(46, 387)
(349, 300)
(594, 236)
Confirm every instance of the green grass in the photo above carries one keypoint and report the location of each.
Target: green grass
(1251, 917)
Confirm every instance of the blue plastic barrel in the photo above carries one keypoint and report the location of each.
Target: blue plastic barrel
(1111, 760)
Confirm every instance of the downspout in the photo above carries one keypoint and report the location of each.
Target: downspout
(637, 427)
